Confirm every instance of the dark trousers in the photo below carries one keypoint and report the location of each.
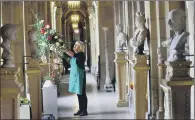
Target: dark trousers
(83, 99)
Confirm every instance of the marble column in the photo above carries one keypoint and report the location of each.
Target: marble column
(108, 86)
(139, 86)
(177, 89)
(162, 36)
(104, 9)
(140, 6)
(191, 19)
(34, 78)
(121, 64)
(93, 41)
(11, 87)
(58, 20)
(151, 24)
(190, 16)
(161, 76)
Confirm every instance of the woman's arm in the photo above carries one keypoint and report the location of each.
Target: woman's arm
(70, 53)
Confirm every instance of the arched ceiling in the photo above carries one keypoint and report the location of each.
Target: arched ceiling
(82, 11)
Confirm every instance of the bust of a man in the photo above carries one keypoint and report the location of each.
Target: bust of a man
(176, 21)
(8, 33)
(121, 38)
(141, 34)
(32, 43)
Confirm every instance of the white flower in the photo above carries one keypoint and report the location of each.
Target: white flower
(56, 37)
(44, 59)
(55, 66)
(51, 48)
(41, 21)
(57, 44)
(60, 40)
(52, 31)
(47, 26)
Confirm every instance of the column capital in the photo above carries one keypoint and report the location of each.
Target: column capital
(120, 57)
(178, 70)
(59, 11)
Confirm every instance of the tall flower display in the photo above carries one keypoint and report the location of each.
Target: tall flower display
(47, 38)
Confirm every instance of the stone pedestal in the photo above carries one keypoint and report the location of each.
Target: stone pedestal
(139, 85)
(34, 78)
(176, 87)
(11, 88)
(121, 62)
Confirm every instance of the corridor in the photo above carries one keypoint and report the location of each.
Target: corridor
(101, 105)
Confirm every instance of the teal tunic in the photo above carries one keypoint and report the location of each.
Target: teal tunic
(76, 77)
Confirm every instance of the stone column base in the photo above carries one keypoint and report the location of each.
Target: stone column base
(122, 103)
(160, 114)
(108, 87)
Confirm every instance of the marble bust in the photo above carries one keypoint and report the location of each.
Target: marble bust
(8, 34)
(176, 21)
(121, 38)
(141, 34)
(32, 43)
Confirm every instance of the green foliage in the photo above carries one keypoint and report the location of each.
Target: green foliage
(24, 101)
(47, 38)
(48, 77)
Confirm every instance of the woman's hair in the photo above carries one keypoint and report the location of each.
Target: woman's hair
(82, 46)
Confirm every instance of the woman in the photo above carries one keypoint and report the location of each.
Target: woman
(77, 82)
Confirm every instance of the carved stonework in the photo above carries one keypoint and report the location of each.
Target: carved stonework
(141, 34)
(11, 88)
(177, 22)
(167, 102)
(176, 86)
(32, 63)
(32, 43)
(177, 99)
(121, 38)
(8, 33)
(178, 70)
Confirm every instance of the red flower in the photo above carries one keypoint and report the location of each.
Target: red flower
(49, 37)
(42, 31)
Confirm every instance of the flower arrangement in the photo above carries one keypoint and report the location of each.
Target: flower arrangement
(47, 38)
(56, 43)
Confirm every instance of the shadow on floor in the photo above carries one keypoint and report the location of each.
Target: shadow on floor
(65, 109)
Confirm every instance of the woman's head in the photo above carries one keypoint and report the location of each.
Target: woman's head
(79, 47)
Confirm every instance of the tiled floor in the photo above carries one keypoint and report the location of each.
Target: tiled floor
(101, 105)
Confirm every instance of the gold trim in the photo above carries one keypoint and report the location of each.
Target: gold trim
(7, 91)
(33, 71)
(180, 83)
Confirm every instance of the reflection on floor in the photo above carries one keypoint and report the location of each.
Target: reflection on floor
(101, 105)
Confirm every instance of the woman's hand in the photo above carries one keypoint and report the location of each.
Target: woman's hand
(70, 53)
